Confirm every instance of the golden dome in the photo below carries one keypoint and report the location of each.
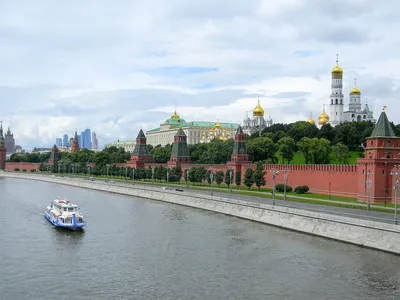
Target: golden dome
(175, 116)
(258, 110)
(337, 69)
(310, 120)
(323, 118)
(218, 125)
(355, 90)
(204, 133)
(211, 129)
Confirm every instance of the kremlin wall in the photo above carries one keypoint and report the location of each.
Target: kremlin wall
(382, 156)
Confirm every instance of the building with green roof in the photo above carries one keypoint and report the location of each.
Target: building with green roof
(128, 145)
(196, 131)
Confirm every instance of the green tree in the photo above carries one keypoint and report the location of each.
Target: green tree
(287, 148)
(193, 175)
(259, 175)
(200, 174)
(248, 177)
(228, 176)
(219, 177)
(341, 152)
(320, 150)
(238, 178)
(305, 147)
(261, 148)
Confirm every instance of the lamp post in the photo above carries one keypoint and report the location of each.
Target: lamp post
(152, 175)
(369, 189)
(126, 172)
(167, 176)
(211, 178)
(59, 169)
(107, 166)
(274, 174)
(396, 184)
(285, 176)
(230, 180)
(133, 176)
(187, 177)
(88, 168)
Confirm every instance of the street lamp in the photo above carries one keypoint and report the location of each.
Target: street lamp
(107, 166)
(274, 174)
(369, 189)
(133, 176)
(211, 178)
(396, 184)
(126, 171)
(167, 175)
(187, 177)
(88, 168)
(152, 175)
(285, 176)
(230, 180)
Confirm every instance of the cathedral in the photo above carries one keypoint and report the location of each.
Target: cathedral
(337, 115)
(257, 123)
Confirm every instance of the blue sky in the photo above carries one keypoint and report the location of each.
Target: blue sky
(116, 67)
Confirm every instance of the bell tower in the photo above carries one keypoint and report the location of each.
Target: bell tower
(336, 106)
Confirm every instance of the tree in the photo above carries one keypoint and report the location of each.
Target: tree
(228, 176)
(238, 178)
(320, 151)
(261, 148)
(305, 147)
(341, 152)
(259, 175)
(248, 177)
(200, 174)
(219, 177)
(193, 175)
(287, 147)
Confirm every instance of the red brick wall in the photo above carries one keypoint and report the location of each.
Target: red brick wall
(11, 166)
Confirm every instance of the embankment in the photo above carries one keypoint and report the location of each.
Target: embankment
(376, 235)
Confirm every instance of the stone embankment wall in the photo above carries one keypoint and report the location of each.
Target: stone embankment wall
(370, 234)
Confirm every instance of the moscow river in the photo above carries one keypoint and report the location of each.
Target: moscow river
(139, 249)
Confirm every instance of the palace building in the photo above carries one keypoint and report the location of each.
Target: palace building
(196, 132)
(257, 123)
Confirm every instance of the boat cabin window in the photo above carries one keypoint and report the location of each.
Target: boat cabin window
(71, 208)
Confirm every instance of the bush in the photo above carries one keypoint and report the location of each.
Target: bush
(302, 189)
(33, 170)
(16, 169)
(281, 188)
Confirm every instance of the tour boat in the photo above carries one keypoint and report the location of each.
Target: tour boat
(62, 213)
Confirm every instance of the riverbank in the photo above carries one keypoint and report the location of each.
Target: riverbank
(376, 235)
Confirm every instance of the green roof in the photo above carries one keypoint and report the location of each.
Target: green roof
(199, 124)
(383, 128)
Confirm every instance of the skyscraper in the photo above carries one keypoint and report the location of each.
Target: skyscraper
(10, 142)
(58, 142)
(86, 139)
(95, 142)
(65, 141)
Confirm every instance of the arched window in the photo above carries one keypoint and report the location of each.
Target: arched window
(387, 143)
(336, 101)
(353, 115)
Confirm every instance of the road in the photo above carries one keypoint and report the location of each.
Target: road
(333, 210)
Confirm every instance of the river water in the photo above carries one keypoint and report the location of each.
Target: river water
(140, 249)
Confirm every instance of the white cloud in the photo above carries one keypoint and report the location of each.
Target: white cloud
(118, 67)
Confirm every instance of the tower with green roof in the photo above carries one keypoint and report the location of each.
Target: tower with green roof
(239, 153)
(54, 155)
(141, 154)
(3, 150)
(381, 156)
(180, 151)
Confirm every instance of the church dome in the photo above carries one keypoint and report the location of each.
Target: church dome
(323, 118)
(355, 91)
(218, 125)
(337, 69)
(175, 116)
(258, 110)
(311, 121)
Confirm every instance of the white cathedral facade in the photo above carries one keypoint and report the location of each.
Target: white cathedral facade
(257, 123)
(355, 113)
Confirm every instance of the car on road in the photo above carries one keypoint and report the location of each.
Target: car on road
(112, 181)
(166, 188)
(179, 190)
(91, 178)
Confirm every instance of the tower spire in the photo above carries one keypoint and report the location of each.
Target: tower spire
(355, 82)
(337, 59)
(1, 128)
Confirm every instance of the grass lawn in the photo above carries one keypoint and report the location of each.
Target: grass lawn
(299, 158)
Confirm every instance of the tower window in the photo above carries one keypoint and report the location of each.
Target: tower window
(387, 143)
(383, 172)
(336, 101)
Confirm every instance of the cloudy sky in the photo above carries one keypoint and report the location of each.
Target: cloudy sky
(118, 66)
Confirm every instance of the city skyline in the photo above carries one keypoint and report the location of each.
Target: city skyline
(57, 73)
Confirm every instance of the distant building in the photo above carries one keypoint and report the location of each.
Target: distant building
(257, 123)
(58, 142)
(10, 142)
(65, 142)
(86, 139)
(18, 149)
(41, 150)
(196, 132)
(74, 142)
(128, 145)
(80, 141)
(95, 141)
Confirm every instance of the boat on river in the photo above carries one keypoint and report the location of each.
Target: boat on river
(63, 213)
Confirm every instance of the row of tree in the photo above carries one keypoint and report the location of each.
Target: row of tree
(277, 143)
